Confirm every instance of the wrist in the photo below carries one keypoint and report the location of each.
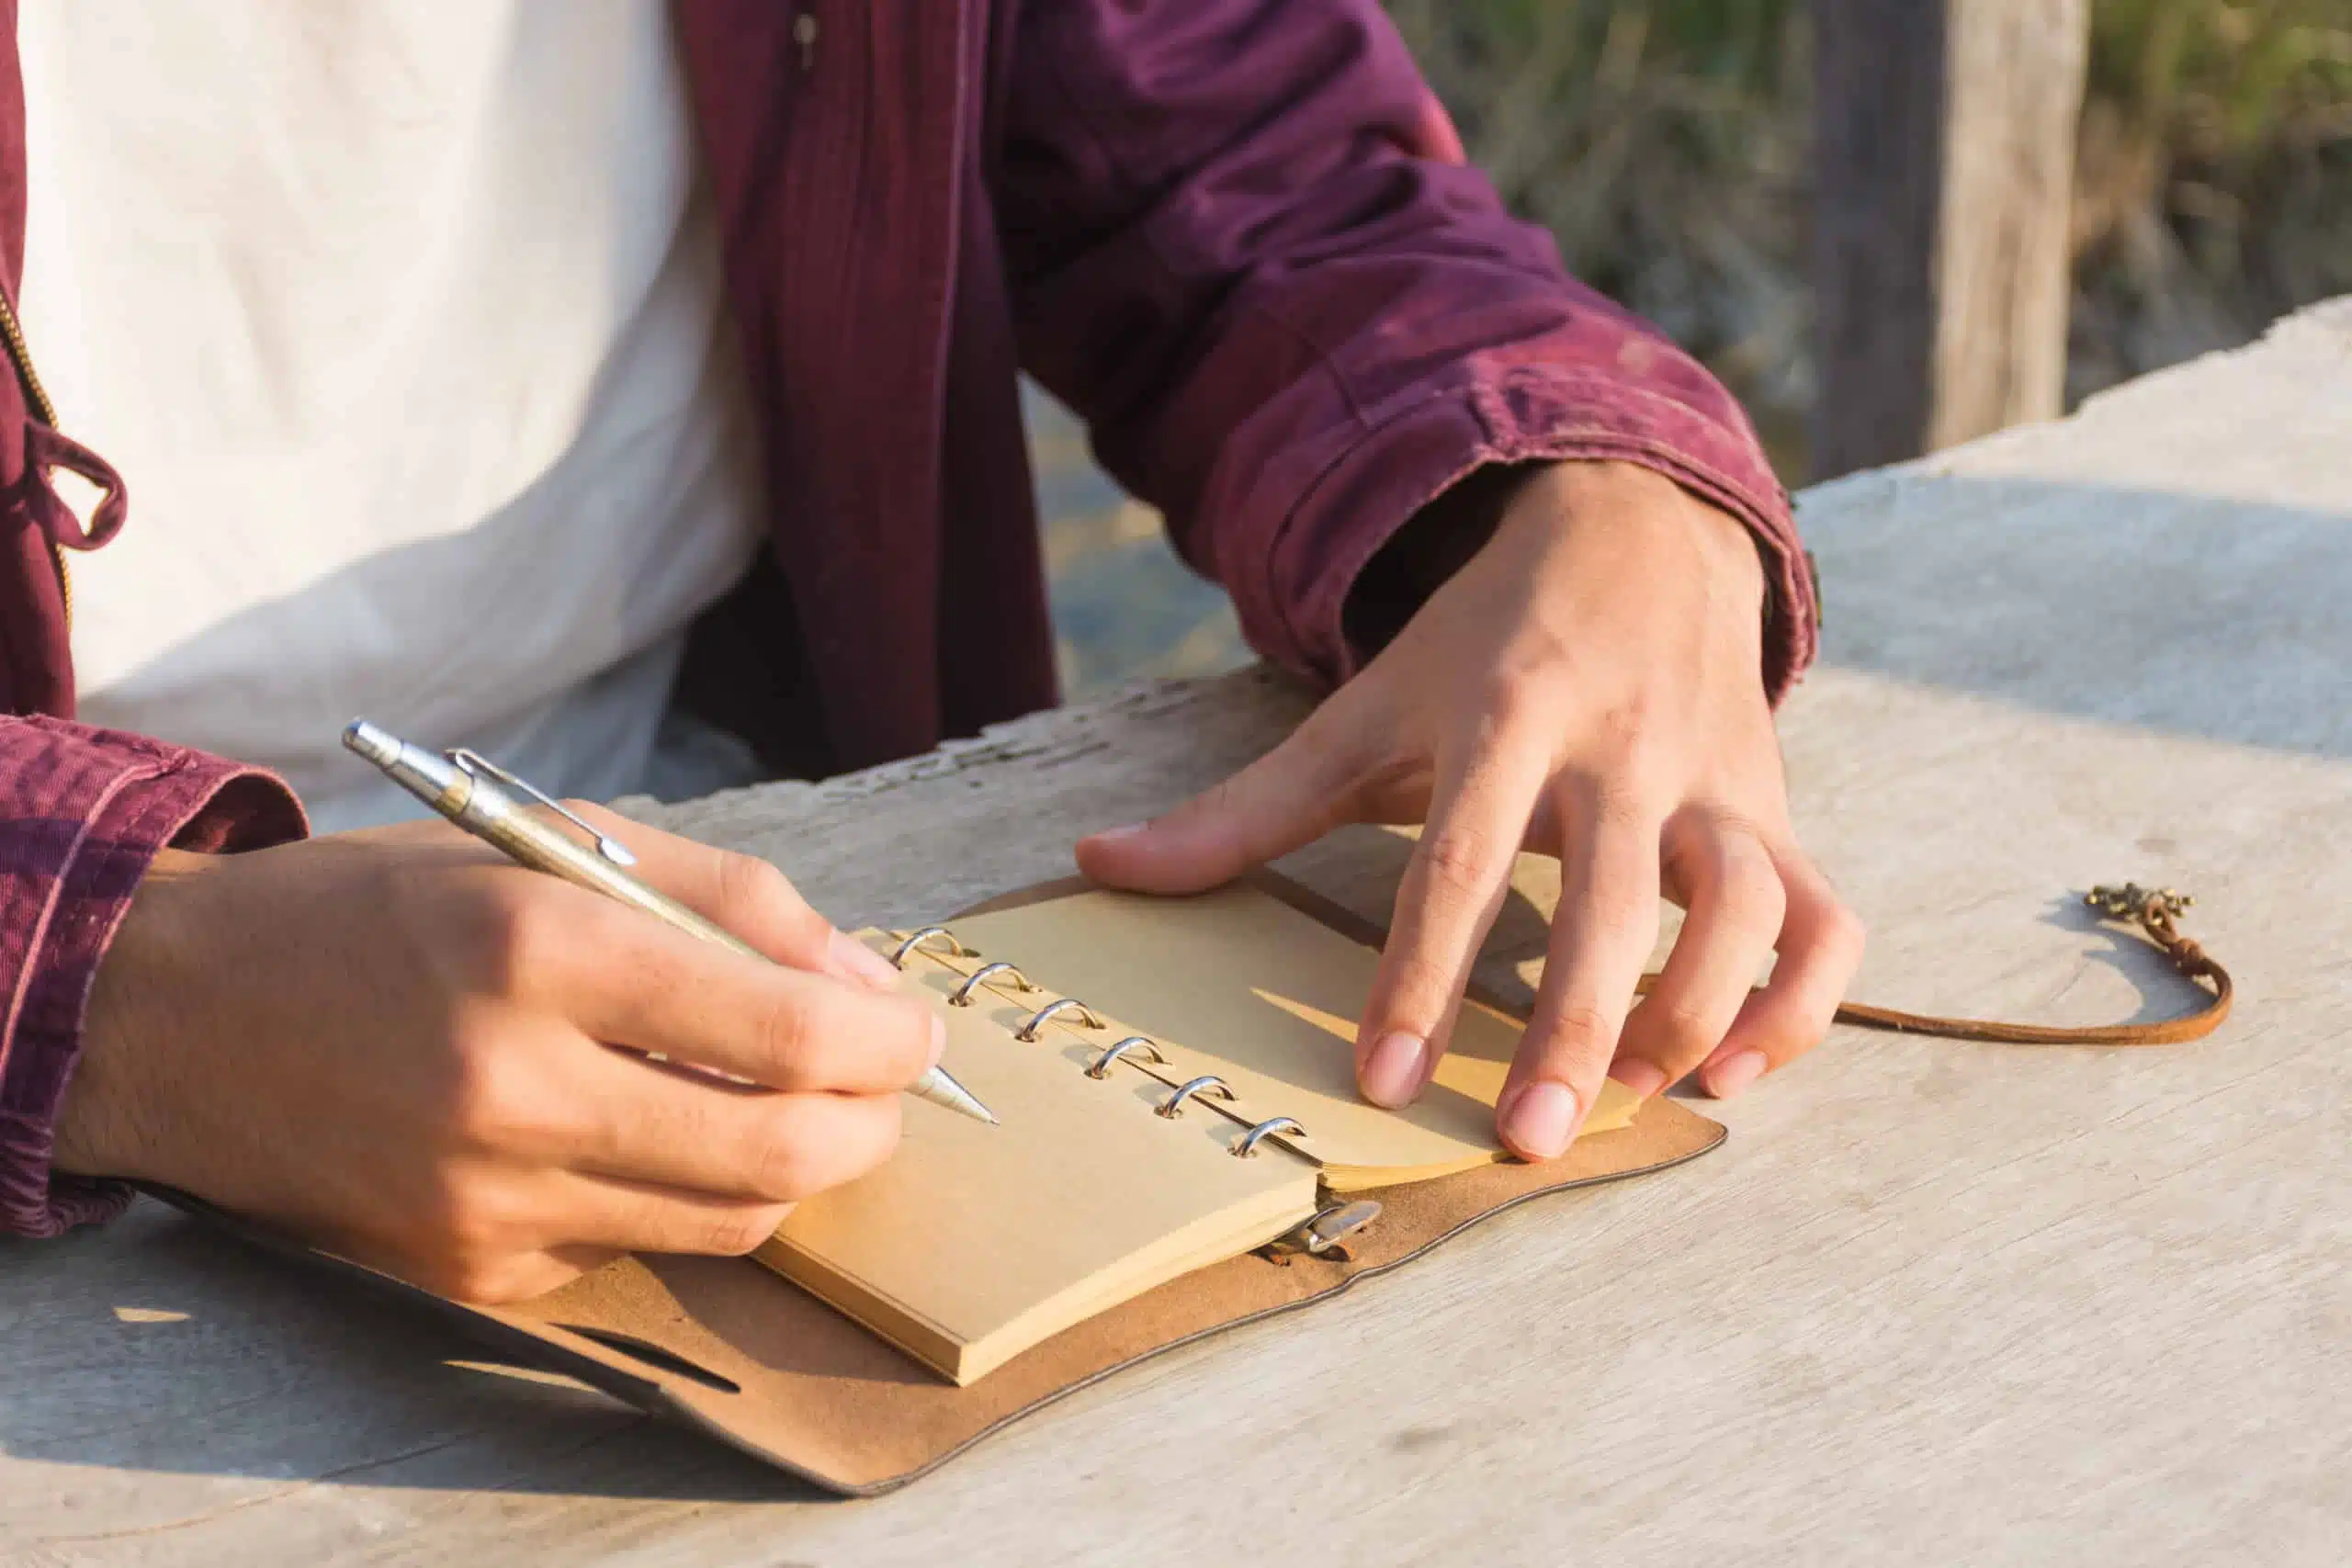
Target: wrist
(1523, 507)
(108, 1120)
(1635, 513)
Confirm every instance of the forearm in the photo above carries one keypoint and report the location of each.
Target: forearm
(83, 814)
(1295, 322)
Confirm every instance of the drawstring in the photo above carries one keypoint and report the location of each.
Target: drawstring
(46, 450)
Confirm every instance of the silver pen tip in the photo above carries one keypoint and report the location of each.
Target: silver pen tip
(940, 1088)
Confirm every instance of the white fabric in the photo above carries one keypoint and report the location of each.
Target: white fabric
(403, 323)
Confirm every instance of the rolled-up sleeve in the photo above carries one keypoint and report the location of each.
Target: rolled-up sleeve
(1245, 249)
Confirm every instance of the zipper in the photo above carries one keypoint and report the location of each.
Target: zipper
(46, 411)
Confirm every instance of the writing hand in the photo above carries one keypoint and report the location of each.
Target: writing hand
(401, 1046)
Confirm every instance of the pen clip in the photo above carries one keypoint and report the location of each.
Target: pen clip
(474, 764)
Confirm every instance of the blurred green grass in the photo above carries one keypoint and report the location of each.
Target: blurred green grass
(1663, 143)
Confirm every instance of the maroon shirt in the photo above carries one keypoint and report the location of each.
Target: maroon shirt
(1237, 236)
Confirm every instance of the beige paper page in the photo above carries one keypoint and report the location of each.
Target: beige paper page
(1239, 984)
(974, 1242)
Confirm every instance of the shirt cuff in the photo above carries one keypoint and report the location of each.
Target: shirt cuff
(1536, 414)
(82, 813)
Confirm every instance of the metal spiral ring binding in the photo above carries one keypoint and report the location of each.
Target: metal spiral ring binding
(1173, 1105)
(1029, 1030)
(1248, 1146)
(962, 996)
(1103, 1063)
(955, 948)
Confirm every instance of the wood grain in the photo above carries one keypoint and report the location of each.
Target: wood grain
(1933, 1303)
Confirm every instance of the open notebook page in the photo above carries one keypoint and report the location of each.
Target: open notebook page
(973, 1243)
(1237, 983)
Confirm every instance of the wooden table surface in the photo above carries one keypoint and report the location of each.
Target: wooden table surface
(1933, 1302)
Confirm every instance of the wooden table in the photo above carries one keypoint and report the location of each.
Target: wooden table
(1933, 1302)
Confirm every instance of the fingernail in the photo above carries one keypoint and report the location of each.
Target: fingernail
(1539, 1119)
(1115, 835)
(860, 961)
(1393, 1072)
(1644, 1079)
(1733, 1074)
(938, 1042)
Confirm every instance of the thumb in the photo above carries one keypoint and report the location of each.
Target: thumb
(1287, 798)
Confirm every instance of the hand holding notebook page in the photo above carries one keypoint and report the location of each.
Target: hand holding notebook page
(969, 1246)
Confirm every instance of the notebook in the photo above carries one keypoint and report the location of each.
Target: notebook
(1175, 1083)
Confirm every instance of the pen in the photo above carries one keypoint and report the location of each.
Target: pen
(469, 789)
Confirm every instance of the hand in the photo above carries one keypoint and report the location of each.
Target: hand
(400, 1045)
(1586, 685)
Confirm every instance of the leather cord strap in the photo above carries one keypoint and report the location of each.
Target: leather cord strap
(2155, 913)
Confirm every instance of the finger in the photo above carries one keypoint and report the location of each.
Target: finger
(1452, 889)
(630, 981)
(1736, 908)
(601, 1212)
(1602, 936)
(1287, 798)
(675, 1130)
(490, 1280)
(1821, 946)
(745, 896)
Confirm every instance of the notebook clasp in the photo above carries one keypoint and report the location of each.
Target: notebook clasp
(1322, 1237)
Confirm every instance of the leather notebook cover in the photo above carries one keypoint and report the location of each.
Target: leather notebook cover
(725, 1345)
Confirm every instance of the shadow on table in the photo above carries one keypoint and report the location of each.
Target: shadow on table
(2188, 613)
(196, 1353)
(2165, 992)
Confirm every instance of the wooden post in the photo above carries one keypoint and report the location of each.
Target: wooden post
(1944, 157)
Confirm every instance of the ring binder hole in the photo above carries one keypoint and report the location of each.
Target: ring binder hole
(1132, 1043)
(962, 996)
(1173, 1106)
(1029, 1030)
